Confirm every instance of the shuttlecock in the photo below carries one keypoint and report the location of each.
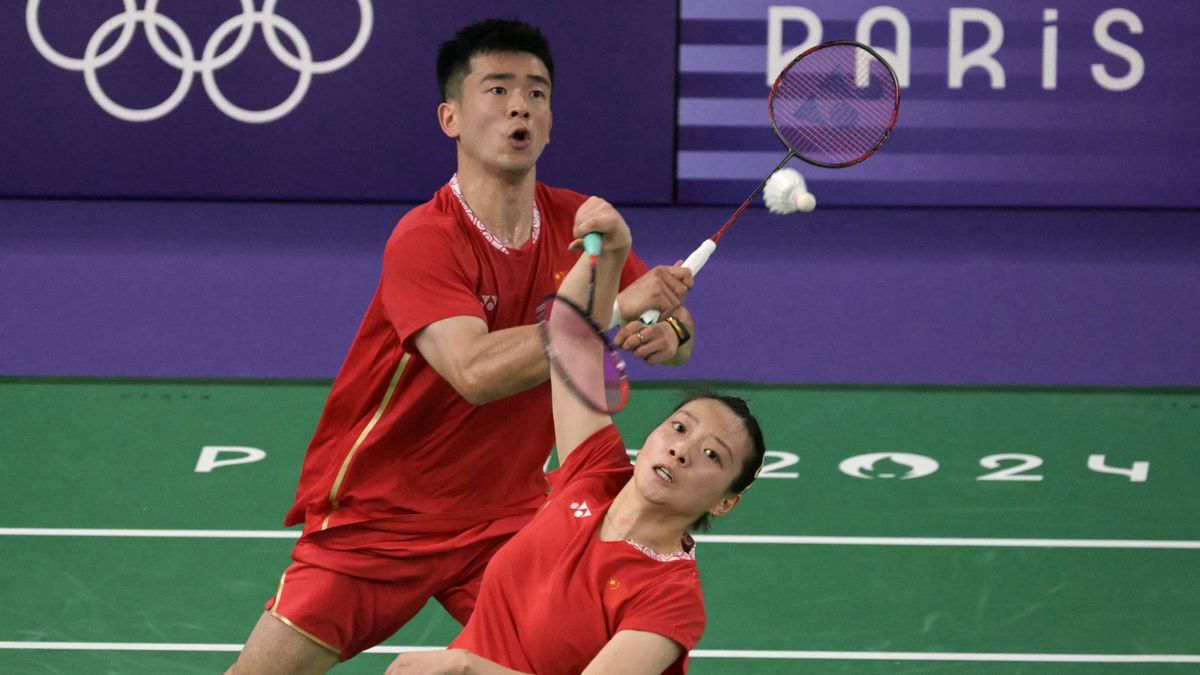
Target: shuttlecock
(785, 192)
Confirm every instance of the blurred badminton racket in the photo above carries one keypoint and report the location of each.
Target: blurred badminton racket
(580, 353)
(833, 106)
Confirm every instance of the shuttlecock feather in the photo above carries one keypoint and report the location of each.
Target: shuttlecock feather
(785, 192)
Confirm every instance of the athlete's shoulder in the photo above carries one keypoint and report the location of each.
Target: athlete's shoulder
(559, 197)
(438, 211)
(435, 217)
(600, 456)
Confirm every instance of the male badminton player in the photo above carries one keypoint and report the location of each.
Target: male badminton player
(429, 453)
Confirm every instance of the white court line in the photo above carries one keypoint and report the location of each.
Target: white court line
(944, 656)
(182, 534)
(696, 653)
(703, 538)
(951, 541)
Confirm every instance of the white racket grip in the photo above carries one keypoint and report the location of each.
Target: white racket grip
(695, 263)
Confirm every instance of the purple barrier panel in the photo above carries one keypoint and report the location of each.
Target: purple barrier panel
(951, 296)
(1008, 104)
(184, 289)
(837, 296)
(342, 107)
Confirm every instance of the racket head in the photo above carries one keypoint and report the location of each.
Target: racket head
(834, 105)
(582, 355)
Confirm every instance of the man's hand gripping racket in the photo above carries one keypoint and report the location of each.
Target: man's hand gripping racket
(833, 106)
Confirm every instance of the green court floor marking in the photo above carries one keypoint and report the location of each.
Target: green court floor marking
(128, 452)
(374, 664)
(769, 539)
(122, 454)
(959, 429)
(806, 598)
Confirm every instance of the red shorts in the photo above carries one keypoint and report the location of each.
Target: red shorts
(348, 614)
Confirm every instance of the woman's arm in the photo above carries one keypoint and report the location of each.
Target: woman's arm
(574, 420)
(635, 652)
(446, 662)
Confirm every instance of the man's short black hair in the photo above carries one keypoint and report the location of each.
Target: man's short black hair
(486, 37)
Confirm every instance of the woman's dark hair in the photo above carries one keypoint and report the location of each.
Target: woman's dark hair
(487, 37)
(758, 448)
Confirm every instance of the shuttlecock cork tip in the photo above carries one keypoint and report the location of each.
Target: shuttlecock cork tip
(785, 192)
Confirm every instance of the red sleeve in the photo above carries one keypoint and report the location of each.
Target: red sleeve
(564, 203)
(603, 451)
(426, 277)
(673, 609)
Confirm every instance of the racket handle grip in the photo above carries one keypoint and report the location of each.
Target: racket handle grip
(695, 262)
(591, 243)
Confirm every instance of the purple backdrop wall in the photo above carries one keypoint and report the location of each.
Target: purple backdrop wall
(364, 132)
(1081, 104)
(232, 283)
(912, 296)
(1073, 102)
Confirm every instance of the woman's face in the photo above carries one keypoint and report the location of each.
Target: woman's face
(688, 462)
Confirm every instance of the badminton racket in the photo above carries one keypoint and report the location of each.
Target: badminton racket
(579, 351)
(833, 106)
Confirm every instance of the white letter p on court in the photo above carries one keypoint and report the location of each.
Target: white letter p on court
(208, 456)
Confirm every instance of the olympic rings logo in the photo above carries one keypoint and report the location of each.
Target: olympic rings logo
(210, 61)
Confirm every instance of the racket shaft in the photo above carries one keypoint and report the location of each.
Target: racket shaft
(695, 262)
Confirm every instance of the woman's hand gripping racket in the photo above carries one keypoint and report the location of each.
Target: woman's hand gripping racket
(833, 106)
(579, 350)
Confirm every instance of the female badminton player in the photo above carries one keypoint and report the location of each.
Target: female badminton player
(604, 580)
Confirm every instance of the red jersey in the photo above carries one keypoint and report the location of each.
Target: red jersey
(555, 594)
(398, 455)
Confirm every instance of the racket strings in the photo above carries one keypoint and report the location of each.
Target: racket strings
(582, 355)
(821, 125)
(835, 105)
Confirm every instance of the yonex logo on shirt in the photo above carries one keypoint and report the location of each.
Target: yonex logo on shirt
(581, 510)
(489, 302)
